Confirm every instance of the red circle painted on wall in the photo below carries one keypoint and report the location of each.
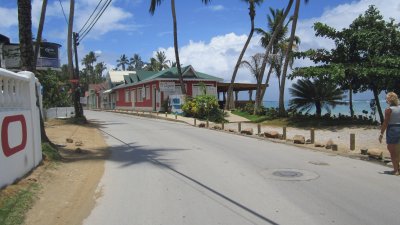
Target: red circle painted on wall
(7, 150)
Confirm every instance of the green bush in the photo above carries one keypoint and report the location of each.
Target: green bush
(249, 108)
(203, 107)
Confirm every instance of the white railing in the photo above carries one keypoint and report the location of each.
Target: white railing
(20, 145)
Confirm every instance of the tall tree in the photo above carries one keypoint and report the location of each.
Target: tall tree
(366, 56)
(123, 61)
(277, 49)
(40, 31)
(254, 65)
(26, 50)
(88, 61)
(230, 104)
(288, 58)
(136, 62)
(153, 6)
(274, 36)
(98, 71)
(25, 35)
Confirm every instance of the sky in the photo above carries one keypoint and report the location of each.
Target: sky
(210, 36)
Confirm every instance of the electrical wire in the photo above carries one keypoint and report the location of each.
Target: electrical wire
(65, 17)
(94, 21)
(90, 16)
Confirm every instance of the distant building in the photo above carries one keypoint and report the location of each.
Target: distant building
(10, 55)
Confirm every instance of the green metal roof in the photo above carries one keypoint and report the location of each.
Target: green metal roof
(171, 73)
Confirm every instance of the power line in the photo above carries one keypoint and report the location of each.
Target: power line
(94, 21)
(65, 17)
(90, 16)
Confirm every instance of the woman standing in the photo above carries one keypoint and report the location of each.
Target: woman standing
(392, 126)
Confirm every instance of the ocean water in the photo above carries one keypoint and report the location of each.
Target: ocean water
(358, 106)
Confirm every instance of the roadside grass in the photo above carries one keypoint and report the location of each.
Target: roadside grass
(305, 121)
(18, 198)
(14, 205)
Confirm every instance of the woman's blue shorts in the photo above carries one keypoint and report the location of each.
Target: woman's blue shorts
(393, 134)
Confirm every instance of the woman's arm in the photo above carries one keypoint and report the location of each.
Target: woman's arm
(385, 123)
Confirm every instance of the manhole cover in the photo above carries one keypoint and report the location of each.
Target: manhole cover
(289, 174)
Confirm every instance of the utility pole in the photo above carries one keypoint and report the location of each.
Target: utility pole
(78, 90)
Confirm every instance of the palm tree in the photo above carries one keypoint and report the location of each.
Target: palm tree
(153, 5)
(252, 3)
(88, 62)
(287, 58)
(275, 61)
(98, 71)
(273, 37)
(25, 35)
(318, 93)
(40, 30)
(135, 62)
(254, 65)
(161, 60)
(122, 61)
(26, 50)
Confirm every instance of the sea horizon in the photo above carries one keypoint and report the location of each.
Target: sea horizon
(358, 106)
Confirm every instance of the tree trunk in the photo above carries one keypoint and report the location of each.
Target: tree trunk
(40, 31)
(25, 35)
(276, 31)
(287, 60)
(318, 109)
(351, 100)
(378, 104)
(258, 95)
(178, 63)
(230, 103)
(266, 83)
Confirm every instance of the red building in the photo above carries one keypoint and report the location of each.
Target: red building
(149, 91)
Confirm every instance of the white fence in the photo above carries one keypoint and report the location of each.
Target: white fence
(20, 148)
(59, 112)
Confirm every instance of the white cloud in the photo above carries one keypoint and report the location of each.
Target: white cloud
(9, 17)
(217, 7)
(218, 57)
(340, 17)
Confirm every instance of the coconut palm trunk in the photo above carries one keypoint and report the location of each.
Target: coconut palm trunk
(230, 103)
(25, 35)
(266, 84)
(178, 63)
(26, 50)
(287, 59)
(40, 31)
(273, 37)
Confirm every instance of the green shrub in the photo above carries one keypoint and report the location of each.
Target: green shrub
(203, 107)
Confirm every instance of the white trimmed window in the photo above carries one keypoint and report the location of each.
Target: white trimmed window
(127, 96)
(140, 95)
(147, 92)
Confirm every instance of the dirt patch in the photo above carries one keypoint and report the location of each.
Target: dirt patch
(68, 188)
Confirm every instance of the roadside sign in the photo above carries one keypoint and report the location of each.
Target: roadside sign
(167, 86)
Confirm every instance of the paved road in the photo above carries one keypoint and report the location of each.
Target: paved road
(168, 173)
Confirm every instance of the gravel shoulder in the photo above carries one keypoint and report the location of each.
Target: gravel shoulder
(68, 188)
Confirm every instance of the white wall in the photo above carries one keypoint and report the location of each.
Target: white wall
(20, 145)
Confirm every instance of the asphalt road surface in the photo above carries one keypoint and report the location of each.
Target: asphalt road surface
(168, 173)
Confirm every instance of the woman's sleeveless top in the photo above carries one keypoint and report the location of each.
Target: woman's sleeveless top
(395, 115)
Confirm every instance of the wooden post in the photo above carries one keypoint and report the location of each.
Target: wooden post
(176, 116)
(258, 129)
(166, 114)
(284, 133)
(194, 121)
(239, 127)
(223, 126)
(352, 141)
(312, 134)
(207, 124)
(157, 113)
